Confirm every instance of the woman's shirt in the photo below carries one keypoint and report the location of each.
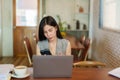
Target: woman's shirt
(61, 46)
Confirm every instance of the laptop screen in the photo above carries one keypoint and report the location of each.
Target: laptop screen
(52, 66)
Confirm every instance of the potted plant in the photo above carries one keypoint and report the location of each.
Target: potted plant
(61, 26)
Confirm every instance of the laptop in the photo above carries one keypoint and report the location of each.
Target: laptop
(52, 66)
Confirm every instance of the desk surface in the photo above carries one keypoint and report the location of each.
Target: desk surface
(82, 74)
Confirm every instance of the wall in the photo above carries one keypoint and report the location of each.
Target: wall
(64, 8)
(6, 27)
(0, 30)
(106, 46)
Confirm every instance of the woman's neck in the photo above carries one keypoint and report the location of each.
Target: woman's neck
(52, 46)
(53, 41)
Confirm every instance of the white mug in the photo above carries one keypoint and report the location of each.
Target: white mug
(20, 70)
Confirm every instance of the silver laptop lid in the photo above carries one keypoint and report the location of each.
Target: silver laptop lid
(52, 66)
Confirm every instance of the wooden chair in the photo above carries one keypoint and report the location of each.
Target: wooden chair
(84, 53)
(28, 49)
(83, 57)
(35, 37)
(82, 39)
(95, 64)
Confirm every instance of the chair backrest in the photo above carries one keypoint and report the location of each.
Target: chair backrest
(84, 52)
(28, 49)
(82, 39)
(95, 64)
(35, 37)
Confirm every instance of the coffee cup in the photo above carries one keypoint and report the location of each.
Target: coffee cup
(20, 70)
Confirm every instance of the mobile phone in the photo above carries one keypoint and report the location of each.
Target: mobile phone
(45, 52)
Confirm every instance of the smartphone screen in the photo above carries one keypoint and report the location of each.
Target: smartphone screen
(45, 52)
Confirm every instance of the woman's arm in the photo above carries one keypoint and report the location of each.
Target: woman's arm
(68, 49)
(38, 50)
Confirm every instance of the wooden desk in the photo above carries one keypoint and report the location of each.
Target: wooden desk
(82, 74)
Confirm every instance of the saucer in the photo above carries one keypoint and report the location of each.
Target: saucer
(24, 76)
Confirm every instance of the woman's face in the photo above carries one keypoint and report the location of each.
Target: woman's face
(50, 32)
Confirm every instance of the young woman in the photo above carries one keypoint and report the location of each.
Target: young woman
(50, 38)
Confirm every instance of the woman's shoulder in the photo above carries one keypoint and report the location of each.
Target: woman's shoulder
(64, 40)
(42, 42)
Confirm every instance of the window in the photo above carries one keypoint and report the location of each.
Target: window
(109, 14)
(26, 13)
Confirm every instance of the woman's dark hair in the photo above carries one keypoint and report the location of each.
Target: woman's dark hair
(48, 20)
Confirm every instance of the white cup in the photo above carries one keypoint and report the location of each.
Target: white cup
(20, 70)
